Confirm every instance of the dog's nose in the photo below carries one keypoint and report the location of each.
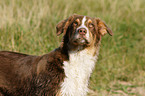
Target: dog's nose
(82, 31)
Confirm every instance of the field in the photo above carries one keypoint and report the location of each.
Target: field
(28, 26)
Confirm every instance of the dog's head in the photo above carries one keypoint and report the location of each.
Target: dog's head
(82, 31)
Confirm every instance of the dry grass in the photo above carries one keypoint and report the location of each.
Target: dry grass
(28, 26)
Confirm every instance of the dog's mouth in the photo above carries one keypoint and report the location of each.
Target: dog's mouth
(80, 41)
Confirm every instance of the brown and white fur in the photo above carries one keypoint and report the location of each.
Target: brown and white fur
(62, 72)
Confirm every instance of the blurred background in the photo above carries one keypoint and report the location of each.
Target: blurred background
(28, 26)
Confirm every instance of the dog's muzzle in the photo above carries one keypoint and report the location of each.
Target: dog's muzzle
(80, 38)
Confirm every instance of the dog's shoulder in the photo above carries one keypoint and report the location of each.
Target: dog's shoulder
(53, 60)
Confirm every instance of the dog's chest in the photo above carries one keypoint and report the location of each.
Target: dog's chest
(77, 71)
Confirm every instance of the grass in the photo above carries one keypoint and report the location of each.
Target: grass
(28, 26)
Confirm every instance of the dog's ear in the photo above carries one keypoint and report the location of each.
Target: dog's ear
(103, 28)
(63, 25)
(60, 27)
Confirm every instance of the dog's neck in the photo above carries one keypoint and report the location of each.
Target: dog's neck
(77, 70)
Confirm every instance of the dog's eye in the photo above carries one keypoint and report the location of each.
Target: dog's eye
(91, 25)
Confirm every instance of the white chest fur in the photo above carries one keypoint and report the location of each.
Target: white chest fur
(77, 71)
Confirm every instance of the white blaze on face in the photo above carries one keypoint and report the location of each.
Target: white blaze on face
(84, 26)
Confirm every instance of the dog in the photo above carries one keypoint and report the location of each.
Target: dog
(64, 71)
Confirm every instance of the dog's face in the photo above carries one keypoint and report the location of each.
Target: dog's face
(82, 30)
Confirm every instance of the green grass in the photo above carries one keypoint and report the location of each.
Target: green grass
(28, 26)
